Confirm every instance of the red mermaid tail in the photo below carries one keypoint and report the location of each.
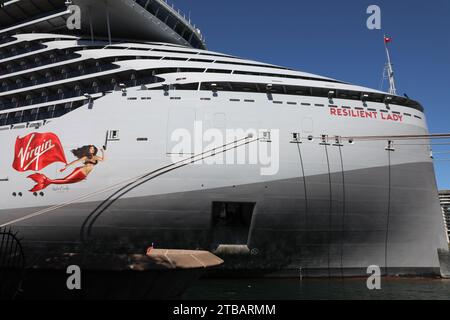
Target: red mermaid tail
(43, 182)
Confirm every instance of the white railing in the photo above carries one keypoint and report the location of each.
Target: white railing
(182, 16)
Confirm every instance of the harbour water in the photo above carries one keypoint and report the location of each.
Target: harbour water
(318, 289)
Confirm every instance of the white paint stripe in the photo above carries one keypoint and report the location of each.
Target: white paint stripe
(8, 3)
(29, 23)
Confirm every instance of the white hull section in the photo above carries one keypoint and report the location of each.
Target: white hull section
(314, 191)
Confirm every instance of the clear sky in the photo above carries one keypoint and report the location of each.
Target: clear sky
(330, 38)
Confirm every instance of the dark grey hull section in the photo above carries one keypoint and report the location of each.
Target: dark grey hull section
(327, 225)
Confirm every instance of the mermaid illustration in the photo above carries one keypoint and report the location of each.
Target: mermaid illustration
(86, 155)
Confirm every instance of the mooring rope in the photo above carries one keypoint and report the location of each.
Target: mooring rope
(128, 181)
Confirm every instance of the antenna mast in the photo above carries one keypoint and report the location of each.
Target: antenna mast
(388, 68)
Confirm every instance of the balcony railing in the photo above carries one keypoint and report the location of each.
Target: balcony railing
(62, 76)
(78, 93)
(64, 57)
(22, 51)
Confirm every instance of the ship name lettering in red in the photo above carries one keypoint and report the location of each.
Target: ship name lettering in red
(343, 112)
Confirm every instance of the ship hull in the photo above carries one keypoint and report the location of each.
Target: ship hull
(287, 232)
(330, 209)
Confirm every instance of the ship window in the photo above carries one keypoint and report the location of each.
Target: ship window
(289, 76)
(173, 51)
(201, 60)
(320, 92)
(219, 86)
(251, 64)
(26, 116)
(417, 117)
(244, 87)
(115, 47)
(214, 55)
(139, 49)
(59, 111)
(292, 103)
(218, 71)
(175, 59)
(248, 100)
(188, 86)
(278, 102)
(407, 114)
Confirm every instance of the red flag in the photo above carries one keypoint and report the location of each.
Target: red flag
(387, 39)
(36, 151)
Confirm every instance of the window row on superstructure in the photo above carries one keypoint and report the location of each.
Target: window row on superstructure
(88, 68)
(55, 109)
(21, 48)
(28, 116)
(66, 71)
(37, 60)
(91, 85)
(27, 97)
(55, 55)
(271, 89)
(152, 51)
(192, 55)
(6, 38)
(26, 43)
(78, 68)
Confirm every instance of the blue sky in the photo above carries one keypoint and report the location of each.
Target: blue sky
(330, 38)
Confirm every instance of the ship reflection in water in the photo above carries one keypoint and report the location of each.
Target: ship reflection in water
(319, 289)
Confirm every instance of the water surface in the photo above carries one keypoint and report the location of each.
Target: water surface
(294, 289)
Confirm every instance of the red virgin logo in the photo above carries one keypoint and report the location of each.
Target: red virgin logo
(36, 151)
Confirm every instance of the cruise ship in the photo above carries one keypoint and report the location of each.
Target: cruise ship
(119, 130)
